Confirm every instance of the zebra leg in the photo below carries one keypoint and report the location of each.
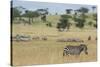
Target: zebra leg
(86, 53)
(64, 53)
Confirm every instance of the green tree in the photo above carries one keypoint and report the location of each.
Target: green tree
(93, 8)
(95, 16)
(43, 18)
(83, 10)
(80, 18)
(31, 15)
(43, 13)
(66, 16)
(35, 14)
(15, 12)
(64, 23)
(90, 23)
(95, 25)
(94, 13)
(49, 24)
(80, 23)
(68, 11)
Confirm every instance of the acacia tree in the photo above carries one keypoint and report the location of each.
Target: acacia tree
(64, 23)
(49, 24)
(43, 13)
(94, 16)
(15, 12)
(90, 23)
(68, 11)
(93, 8)
(95, 25)
(31, 15)
(75, 15)
(56, 13)
(35, 14)
(83, 10)
(80, 23)
(43, 18)
(80, 18)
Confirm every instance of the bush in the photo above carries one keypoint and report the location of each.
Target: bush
(49, 24)
(80, 22)
(90, 23)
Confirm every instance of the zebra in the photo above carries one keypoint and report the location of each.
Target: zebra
(23, 38)
(35, 37)
(44, 38)
(69, 40)
(75, 50)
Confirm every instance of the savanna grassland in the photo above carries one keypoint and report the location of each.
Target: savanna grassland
(50, 51)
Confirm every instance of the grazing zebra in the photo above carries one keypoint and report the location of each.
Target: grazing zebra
(35, 37)
(44, 38)
(75, 50)
(69, 40)
(23, 38)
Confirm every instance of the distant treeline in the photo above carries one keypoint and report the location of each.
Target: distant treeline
(79, 17)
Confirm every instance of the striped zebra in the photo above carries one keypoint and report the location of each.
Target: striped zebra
(23, 38)
(75, 50)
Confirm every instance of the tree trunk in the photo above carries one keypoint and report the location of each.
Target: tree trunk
(29, 20)
(32, 20)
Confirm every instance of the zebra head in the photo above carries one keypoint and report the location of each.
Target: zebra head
(84, 48)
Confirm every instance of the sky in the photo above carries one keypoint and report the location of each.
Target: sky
(53, 7)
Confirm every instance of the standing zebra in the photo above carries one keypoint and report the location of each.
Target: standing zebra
(75, 50)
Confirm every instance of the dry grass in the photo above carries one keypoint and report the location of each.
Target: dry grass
(50, 51)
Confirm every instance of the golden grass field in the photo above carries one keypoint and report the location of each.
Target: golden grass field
(50, 51)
